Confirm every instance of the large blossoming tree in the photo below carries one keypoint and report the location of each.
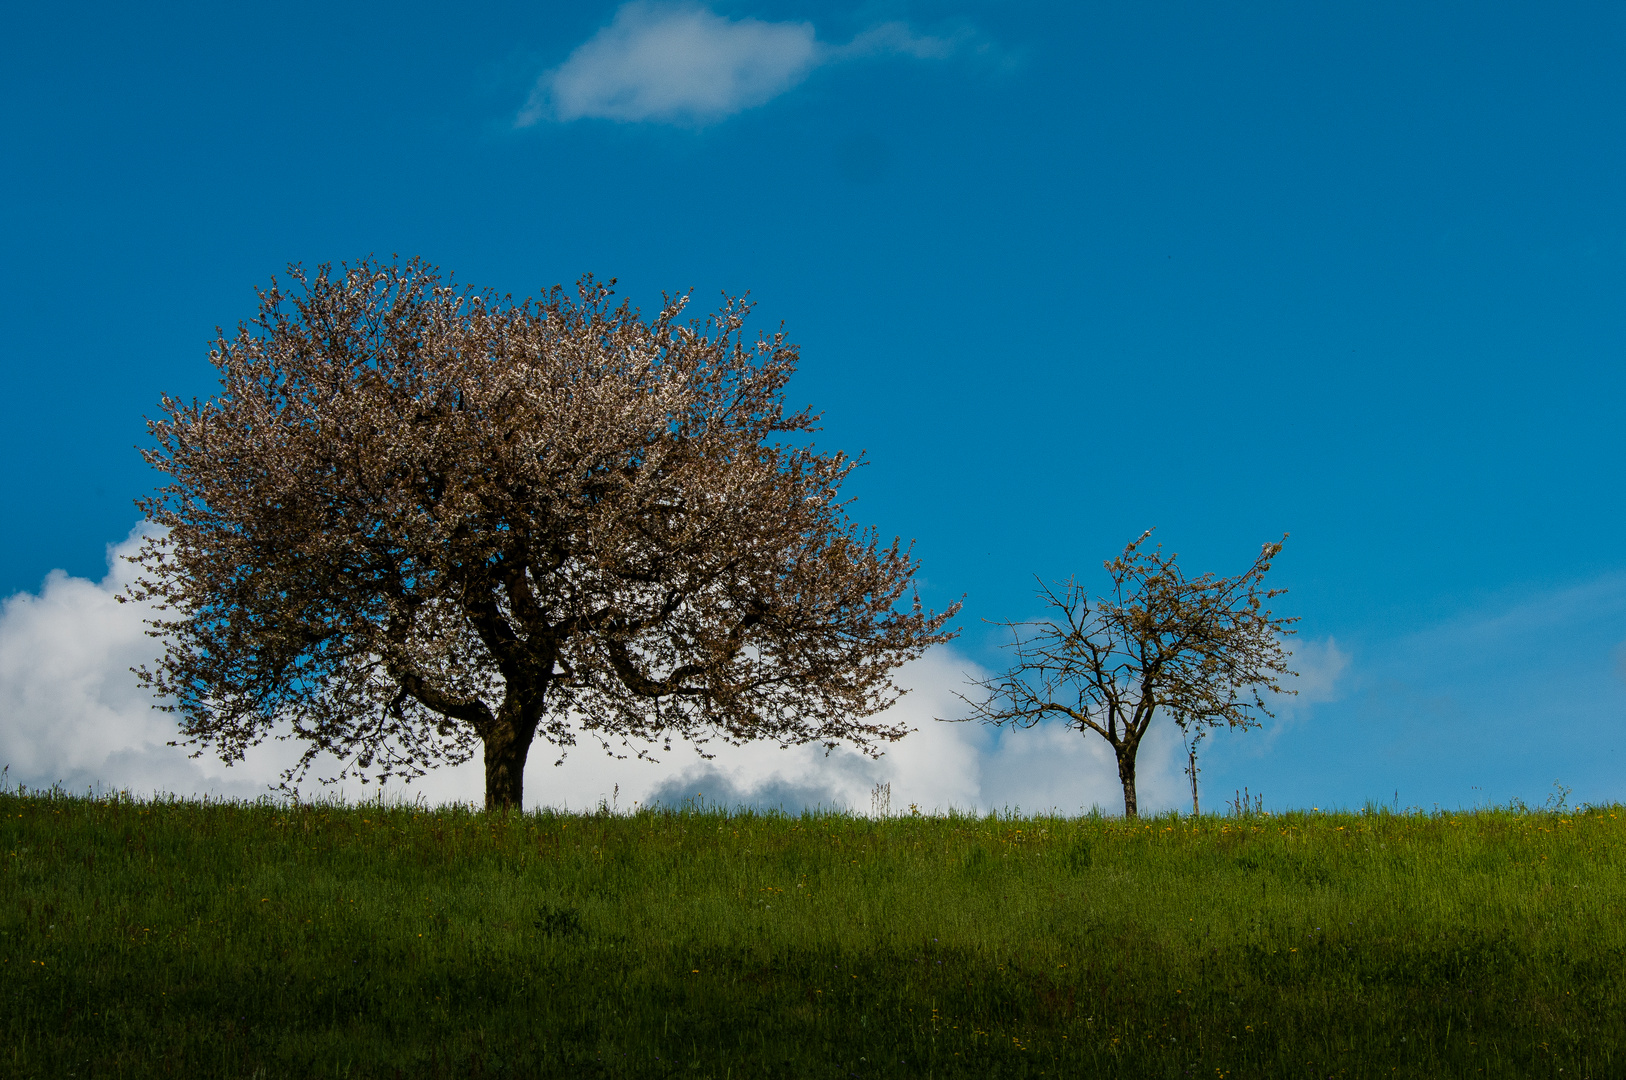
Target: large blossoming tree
(418, 519)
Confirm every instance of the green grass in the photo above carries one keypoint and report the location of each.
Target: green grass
(194, 940)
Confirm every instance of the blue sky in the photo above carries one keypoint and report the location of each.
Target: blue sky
(1064, 271)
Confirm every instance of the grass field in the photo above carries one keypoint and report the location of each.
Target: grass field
(234, 940)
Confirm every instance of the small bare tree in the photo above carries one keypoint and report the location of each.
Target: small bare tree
(1202, 650)
(418, 518)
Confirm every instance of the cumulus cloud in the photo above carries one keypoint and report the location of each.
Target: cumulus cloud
(70, 710)
(937, 767)
(72, 713)
(684, 64)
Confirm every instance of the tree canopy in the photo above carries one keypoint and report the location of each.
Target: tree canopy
(419, 518)
(1201, 650)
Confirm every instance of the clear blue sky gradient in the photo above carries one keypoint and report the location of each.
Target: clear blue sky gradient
(1351, 271)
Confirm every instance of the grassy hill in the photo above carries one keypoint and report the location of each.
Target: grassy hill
(234, 940)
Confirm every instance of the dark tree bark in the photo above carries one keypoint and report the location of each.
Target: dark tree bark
(1126, 777)
(506, 747)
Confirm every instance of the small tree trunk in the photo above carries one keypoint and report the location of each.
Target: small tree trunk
(1126, 775)
(1193, 768)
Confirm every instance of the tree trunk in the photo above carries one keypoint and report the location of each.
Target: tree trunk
(1126, 774)
(506, 746)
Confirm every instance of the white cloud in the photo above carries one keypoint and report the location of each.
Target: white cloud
(1318, 666)
(937, 767)
(72, 713)
(70, 710)
(895, 38)
(684, 64)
